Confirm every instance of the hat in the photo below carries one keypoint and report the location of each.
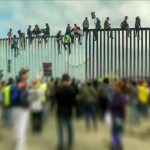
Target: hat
(23, 71)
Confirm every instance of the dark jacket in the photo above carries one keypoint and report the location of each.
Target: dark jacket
(65, 100)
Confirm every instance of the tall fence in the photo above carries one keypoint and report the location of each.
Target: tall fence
(123, 56)
(127, 57)
(33, 55)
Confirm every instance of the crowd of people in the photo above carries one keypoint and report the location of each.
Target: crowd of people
(104, 99)
(70, 34)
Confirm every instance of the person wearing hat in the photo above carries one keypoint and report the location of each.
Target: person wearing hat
(35, 96)
(20, 109)
(65, 99)
(137, 26)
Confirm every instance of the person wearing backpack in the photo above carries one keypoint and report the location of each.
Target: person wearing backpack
(89, 96)
(20, 109)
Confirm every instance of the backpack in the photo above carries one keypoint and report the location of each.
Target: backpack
(14, 94)
(19, 95)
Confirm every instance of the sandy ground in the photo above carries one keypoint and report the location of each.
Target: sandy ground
(133, 139)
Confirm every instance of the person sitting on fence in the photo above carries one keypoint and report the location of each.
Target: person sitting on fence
(67, 41)
(46, 32)
(125, 26)
(68, 29)
(85, 25)
(9, 34)
(37, 33)
(107, 26)
(21, 39)
(137, 26)
(97, 27)
(76, 32)
(29, 34)
(59, 40)
(15, 46)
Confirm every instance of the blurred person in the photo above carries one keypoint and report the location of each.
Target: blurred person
(22, 39)
(104, 97)
(15, 46)
(107, 26)
(65, 99)
(125, 26)
(37, 33)
(133, 103)
(29, 34)
(68, 29)
(6, 103)
(46, 32)
(9, 35)
(118, 111)
(20, 109)
(85, 25)
(59, 40)
(137, 26)
(35, 97)
(67, 42)
(76, 32)
(43, 88)
(97, 27)
(89, 96)
(143, 97)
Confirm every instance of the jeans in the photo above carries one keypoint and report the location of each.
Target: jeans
(144, 110)
(69, 47)
(64, 122)
(90, 114)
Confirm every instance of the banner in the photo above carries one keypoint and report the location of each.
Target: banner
(47, 69)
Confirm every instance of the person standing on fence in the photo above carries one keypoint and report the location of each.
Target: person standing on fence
(65, 101)
(59, 40)
(125, 26)
(15, 46)
(97, 27)
(20, 109)
(9, 35)
(107, 26)
(67, 42)
(29, 34)
(85, 25)
(137, 26)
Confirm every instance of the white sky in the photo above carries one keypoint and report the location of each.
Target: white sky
(18, 14)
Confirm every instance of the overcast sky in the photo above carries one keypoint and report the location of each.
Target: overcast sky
(18, 14)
